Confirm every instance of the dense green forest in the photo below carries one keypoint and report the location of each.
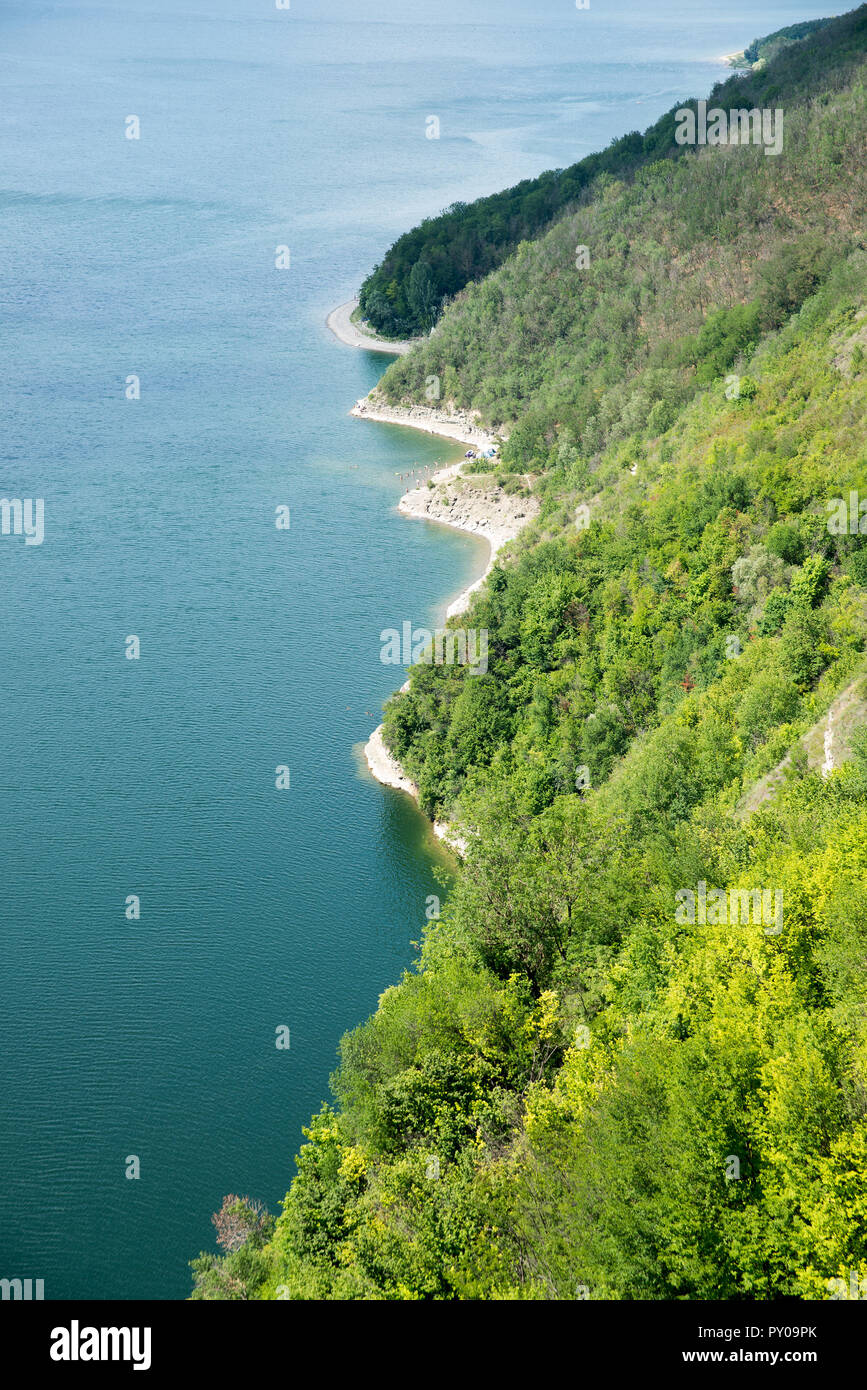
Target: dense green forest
(586, 1088)
(770, 46)
(689, 265)
(428, 266)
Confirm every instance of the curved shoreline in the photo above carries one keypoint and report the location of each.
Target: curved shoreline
(385, 768)
(340, 323)
(458, 425)
(389, 773)
(496, 521)
(496, 530)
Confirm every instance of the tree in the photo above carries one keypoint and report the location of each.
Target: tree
(239, 1219)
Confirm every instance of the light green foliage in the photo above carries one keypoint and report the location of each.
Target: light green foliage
(575, 1085)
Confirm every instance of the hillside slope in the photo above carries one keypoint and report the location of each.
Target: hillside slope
(429, 265)
(631, 1061)
(683, 268)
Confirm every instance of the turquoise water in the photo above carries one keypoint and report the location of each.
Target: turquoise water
(156, 258)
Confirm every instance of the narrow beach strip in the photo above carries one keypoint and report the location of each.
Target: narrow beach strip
(473, 503)
(341, 325)
(460, 425)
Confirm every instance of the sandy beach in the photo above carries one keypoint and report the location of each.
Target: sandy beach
(384, 767)
(341, 325)
(476, 504)
(473, 503)
(459, 425)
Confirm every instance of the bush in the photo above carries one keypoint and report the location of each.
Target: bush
(784, 539)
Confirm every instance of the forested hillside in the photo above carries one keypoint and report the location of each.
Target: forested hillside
(589, 1086)
(771, 45)
(689, 264)
(428, 266)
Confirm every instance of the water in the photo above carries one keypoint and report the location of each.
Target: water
(156, 258)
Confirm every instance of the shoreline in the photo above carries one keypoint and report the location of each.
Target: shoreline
(339, 321)
(497, 526)
(386, 770)
(417, 503)
(458, 425)
(481, 509)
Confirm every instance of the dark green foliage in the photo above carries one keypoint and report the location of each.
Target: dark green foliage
(468, 240)
(693, 257)
(784, 539)
(428, 266)
(724, 336)
(765, 48)
(580, 1090)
